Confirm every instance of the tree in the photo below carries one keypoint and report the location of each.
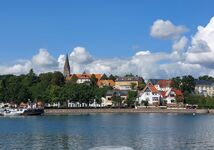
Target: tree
(141, 86)
(186, 83)
(132, 95)
(129, 75)
(58, 79)
(133, 86)
(99, 93)
(177, 82)
(2, 93)
(116, 98)
(206, 77)
(29, 79)
(54, 93)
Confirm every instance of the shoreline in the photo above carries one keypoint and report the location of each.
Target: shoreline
(123, 110)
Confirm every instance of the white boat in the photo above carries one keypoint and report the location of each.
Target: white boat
(12, 111)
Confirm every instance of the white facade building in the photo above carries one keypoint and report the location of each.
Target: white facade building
(149, 94)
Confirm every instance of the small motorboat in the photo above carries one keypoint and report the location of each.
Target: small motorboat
(12, 111)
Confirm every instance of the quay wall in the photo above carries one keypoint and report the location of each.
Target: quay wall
(121, 110)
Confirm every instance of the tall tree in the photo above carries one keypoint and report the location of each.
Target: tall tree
(117, 100)
(186, 83)
(58, 79)
(132, 95)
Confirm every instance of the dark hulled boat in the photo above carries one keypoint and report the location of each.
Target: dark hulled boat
(33, 111)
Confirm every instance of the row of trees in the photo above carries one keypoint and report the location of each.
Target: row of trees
(51, 88)
(47, 87)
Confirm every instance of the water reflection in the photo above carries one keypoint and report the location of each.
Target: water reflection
(136, 131)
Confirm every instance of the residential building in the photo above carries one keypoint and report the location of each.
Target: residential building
(204, 87)
(123, 94)
(127, 83)
(84, 77)
(149, 95)
(102, 83)
(172, 97)
(161, 84)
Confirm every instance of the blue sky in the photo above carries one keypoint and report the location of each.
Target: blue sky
(113, 28)
(106, 29)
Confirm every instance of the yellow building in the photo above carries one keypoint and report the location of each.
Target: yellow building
(127, 83)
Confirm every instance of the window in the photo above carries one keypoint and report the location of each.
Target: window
(155, 99)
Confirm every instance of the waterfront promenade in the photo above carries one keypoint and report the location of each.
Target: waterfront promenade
(121, 110)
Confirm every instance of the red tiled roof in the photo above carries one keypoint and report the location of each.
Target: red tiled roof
(165, 83)
(177, 92)
(86, 76)
(104, 82)
(163, 93)
(151, 87)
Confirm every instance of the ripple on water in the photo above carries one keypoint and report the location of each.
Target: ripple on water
(111, 148)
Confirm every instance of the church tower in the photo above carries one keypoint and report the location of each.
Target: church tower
(67, 69)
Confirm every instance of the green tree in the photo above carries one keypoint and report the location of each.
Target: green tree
(58, 79)
(2, 93)
(133, 86)
(132, 95)
(206, 77)
(29, 79)
(117, 100)
(186, 83)
(99, 93)
(54, 93)
(129, 75)
(141, 86)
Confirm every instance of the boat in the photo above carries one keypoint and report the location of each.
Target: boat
(21, 111)
(29, 109)
(12, 112)
(33, 111)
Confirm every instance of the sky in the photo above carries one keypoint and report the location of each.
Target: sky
(151, 38)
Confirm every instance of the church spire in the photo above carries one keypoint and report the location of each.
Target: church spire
(67, 70)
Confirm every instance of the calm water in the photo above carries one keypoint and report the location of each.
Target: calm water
(82, 132)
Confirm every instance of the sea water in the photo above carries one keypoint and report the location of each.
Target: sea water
(121, 131)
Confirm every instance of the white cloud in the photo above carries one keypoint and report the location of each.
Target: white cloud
(166, 30)
(80, 56)
(44, 62)
(179, 45)
(178, 48)
(19, 68)
(194, 57)
(201, 50)
(43, 59)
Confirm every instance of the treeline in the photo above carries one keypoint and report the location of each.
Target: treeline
(52, 88)
(47, 87)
